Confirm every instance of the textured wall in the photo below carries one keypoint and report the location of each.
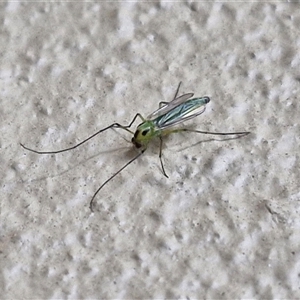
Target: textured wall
(224, 225)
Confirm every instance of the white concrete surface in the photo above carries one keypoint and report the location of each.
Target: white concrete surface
(225, 225)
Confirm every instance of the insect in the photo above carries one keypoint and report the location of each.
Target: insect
(158, 124)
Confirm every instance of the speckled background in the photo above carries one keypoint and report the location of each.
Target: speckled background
(225, 225)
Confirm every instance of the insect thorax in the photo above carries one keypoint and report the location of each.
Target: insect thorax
(143, 134)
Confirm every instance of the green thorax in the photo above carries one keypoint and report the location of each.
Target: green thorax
(144, 133)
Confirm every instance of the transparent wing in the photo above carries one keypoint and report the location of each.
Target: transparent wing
(168, 107)
(189, 116)
(182, 112)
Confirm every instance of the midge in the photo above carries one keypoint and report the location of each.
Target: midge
(158, 124)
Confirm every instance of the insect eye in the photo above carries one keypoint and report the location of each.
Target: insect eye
(144, 132)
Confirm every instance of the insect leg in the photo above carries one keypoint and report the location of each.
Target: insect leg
(213, 133)
(175, 96)
(133, 120)
(114, 125)
(242, 133)
(162, 103)
(110, 178)
(160, 155)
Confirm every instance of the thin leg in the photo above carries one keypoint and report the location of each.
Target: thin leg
(175, 96)
(114, 125)
(166, 103)
(110, 178)
(166, 132)
(162, 103)
(160, 155)
(214, 133)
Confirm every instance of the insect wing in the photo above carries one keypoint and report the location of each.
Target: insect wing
(168, 107)
(182, 113)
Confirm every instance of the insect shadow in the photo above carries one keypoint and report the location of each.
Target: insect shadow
(157, 125)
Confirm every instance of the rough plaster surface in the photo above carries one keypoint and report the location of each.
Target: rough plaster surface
(225, 224)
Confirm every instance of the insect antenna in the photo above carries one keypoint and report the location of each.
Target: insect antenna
(110, 178)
